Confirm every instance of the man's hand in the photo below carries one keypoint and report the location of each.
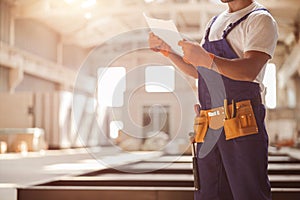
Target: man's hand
(195, 54)
(158, 45)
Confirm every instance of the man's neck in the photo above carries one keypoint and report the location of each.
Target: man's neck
(238, 5)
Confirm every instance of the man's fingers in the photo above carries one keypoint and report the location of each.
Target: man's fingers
(182, 42)
(157, 44)
(152, 35)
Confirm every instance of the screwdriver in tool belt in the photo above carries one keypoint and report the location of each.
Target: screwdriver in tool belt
(233, 113)
(226, 109)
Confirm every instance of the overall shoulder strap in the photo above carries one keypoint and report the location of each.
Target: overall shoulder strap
(233, 25)
(208, 29)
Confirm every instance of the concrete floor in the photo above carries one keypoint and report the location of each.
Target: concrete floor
(17, 170)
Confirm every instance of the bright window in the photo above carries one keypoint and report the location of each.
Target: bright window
(269, 82)
(111, 86)
(160, 79)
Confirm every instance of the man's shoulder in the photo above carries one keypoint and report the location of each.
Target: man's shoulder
(259, 11)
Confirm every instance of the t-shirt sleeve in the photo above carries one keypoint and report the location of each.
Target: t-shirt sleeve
(261, 34)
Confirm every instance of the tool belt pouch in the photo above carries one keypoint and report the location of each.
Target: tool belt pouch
(200, 127)
(244, 123)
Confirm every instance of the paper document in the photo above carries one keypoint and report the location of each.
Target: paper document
(167, 31)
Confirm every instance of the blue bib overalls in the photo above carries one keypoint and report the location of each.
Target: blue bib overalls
(233, 169)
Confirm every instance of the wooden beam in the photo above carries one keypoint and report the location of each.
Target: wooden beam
(17, 59)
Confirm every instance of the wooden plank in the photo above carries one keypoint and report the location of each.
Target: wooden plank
(83, 194)
(154, 165)
(109, 182)
(148, 166)
(282, 159)
(188, 159)
(275, 153)
(128, 176)
(186, 168)
(124, 183)
(285, 181)
(284, 168)
(285, 194)
(158, 180)
(172, 159)
(125, 193)
(175, 195)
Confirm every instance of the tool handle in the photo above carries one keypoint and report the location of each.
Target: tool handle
(196, 174)
(233, 110)
(227, 116)
(195, 168)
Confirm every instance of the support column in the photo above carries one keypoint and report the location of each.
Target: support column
(297, 82)
(12, 29)
(59, 52)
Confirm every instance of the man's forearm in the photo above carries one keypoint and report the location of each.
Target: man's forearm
(244, 69)
(183, 66)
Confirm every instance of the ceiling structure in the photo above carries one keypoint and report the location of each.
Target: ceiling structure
(88, 23)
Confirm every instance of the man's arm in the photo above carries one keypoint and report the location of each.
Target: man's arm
(244, 69)
(183, 66)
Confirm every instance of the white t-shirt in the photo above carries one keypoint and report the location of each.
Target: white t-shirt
(256, 33)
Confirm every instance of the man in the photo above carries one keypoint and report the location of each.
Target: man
(234, 52)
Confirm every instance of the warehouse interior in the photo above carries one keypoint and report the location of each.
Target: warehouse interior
(82, 97)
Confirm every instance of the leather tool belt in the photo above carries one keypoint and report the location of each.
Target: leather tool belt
(238, 120)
